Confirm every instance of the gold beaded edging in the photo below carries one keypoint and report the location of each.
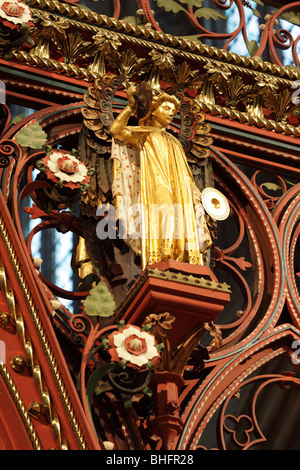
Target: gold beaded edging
(171, 276)
(189, 280)
(29, 351)
(164, 39)
(151, 36)
(149, 39)
(11, 386)
(32, 362)
(250, 119)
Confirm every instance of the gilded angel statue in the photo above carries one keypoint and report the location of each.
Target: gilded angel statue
(143, 180)
(152, 176)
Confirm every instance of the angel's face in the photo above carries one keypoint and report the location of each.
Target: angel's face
(164, 114)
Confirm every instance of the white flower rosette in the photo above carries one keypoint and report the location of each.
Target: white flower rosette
(134, 346)
(64, 168)
(14, 13)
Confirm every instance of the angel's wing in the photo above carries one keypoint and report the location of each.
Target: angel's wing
(94, 150)
(195, 140)
(95, 140)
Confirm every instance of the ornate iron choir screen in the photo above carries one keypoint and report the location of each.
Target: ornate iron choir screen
(171, 162)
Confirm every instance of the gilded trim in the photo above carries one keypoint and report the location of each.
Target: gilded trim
(34, 365)
(213, 109)
(189, 280)
(198, 54)
(29, 350)
(20, 407)
(151, 38)
(69, 70)
(250, 119)
(170, 276)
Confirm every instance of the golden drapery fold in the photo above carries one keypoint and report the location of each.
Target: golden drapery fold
(156, 198)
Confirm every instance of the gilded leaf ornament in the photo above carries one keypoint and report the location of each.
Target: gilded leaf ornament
(187, 78)
(282, 104)
(74, 46)
(163, 60)
(234, 90)
(129, 65)
(55, 29)
(106, 42)
(217, 71)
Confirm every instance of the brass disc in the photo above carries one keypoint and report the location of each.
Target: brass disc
(215, 204)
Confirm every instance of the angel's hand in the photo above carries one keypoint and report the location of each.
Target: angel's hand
(130, 96)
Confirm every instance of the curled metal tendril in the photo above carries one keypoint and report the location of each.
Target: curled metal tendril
(80, 324)
(266, 188)
(222, 4)
(8, 149)
(283, 39)
(4, 162)
(269, 42)
(129, 380)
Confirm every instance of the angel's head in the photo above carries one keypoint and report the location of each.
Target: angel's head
(162, 111)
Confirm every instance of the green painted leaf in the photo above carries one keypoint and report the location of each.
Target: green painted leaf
(59, 184)
(256, 13)
(132, 20)
(121, 324)
(147, 391)
(122, 364)
(39, 164)
(170, 5)
(208, 13)
(85, 187)
(127, 404)
(252, 47)
(291, 16)
(17, 119)
(193, 38)
(99, 302)
(160, 347)
(272, 186)
(147, 327)
(32, 136)
(92, 385)
(259, 2)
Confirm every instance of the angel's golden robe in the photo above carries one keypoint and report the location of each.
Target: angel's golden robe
(156, 198)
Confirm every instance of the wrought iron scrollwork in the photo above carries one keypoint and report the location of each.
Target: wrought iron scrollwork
(8, 150)
(129, 381)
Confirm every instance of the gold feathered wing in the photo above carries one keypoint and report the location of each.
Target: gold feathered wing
(95, 152)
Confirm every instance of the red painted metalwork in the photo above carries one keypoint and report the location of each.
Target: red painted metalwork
(282, 39)
(265, 248)
(161, 295)
(271, 39)
(256, 252)
(39, 301)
